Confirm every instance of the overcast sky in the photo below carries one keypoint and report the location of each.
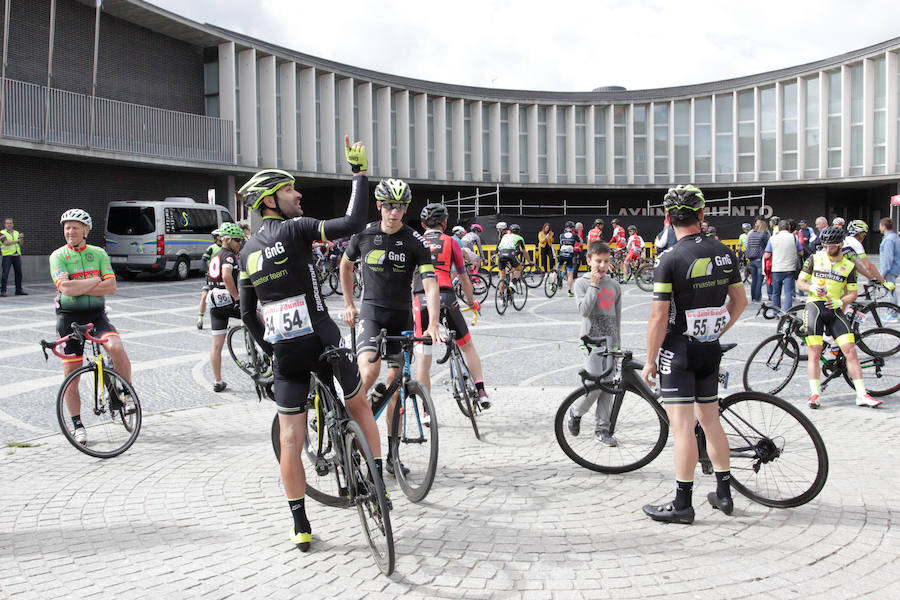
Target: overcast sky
(561, 45)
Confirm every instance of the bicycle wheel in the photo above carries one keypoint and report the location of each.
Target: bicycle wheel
(640, 431)
(778, 457)
(772, 364)
(326, 481)
(330, 284)
(486, 275)
(872, 316)
(415, 444)
(785, 323)
(238, 341)
(644, 277)
(110, 412)
(480, 287)
(369, 496)
(501, 300)
(519, 294)
(532, 276)
(551, 284)
(464, 391)
(880, 362)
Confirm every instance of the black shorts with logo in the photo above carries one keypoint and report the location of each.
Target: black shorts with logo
(375, 318)
(689, 370)
(508, 259)
(103, 329)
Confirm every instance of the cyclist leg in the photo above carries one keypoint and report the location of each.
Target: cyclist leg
(466, 345)
(219, 326)
(76, 350)
(707, 358)
(422, 350)
(842, 332)
(814, 327)
(104, 330)
(677, 385)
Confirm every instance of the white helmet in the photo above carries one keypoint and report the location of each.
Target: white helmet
(502, 225)
(76, 214)
(838, 222)
(459, 230)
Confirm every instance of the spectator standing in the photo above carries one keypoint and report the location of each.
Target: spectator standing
(580, 248)
(756, 247)
(12, 256)
(889, 251)
(545, 247)
(821, 223)
(786, 251)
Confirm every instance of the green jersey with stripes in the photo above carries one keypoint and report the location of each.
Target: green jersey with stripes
(68, 263)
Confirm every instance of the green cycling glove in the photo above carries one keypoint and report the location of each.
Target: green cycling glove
(356, 156)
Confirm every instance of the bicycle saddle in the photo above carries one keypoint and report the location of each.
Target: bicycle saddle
(727, 347)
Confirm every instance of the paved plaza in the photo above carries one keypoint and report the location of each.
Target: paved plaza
(195, 508)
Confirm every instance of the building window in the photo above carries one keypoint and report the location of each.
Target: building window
(746, 136)
(338, 130)
(879, 122)
(789, 131)
(523, 141)
(373, 161)
(856, 119)
(448, 138)
(834, 124)
(467, 139)
(542, 144)
(277, 121)
(661, 143)
(725, 138)
(620, 161)
(639, 148)
(580, 145)
(412, 136)
(682, 133)
(767, 132)
(812, 135)
(486, 141)
(703, 140)
(504, 143)
(600, 144)
(237, 111)
(431, 138)
(297, 98)
(355, 109)
(561, 142)
(318, 126)
(211, 89)
(394, 169)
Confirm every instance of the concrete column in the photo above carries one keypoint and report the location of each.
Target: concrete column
(824, 90)
(345, 110)
(326, 123)
(385, 166)
(494, 129)
(287, 73)
(440, 138)
(458, 126)
(735, 135)
(610, 144)
(629, 143)
(477, 142)
(402, 101)
(845, 120)
(227, 93)
(570, 144)
(651, 143)
(779, 126)
(552, 171)
(421, 110)
(268, 124)
(513, 115)
(247, 116)
(308, 158)
(891, 61)
(691, 121)
(868, 114)
(364, 107)
(590, 154)
(801, 126)
(533, 163)
(757, 138)
(671, 132)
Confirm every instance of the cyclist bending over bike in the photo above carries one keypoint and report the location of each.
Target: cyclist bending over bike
(278, 268)
(471, 245)
(698, 295)
(389, 252)
(83, 276)
(830, 279)
(511, 253)
(446, 255)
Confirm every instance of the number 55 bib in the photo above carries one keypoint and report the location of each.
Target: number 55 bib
(706, 324)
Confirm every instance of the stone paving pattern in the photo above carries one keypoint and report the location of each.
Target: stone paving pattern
(195, 509)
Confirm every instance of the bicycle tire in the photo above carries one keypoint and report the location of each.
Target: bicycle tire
(876, 313)
(329, 487)
(881, 368)
(520, 292)
(501, 300)
(331, 284)
(369, 495)
(778, 359)
(636, 422)
(480, 287)
(409, 442)
(241, 355)
(551, 284)
(532, 276)
(749, 420)
(464, 391)
(486, 275)
(111, 432)
(785, 324)
(644, 277)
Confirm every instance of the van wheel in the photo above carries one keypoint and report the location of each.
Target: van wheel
(182, 269)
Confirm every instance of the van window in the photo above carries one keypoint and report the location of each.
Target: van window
(190, 220)
(131, 220)
(226, 218)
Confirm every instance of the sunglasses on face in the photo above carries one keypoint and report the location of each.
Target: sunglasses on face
(393, 205)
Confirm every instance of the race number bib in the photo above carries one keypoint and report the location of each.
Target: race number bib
(286, 319)
(219, 297)
(706, 324)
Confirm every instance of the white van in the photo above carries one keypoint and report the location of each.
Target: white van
(160, 237)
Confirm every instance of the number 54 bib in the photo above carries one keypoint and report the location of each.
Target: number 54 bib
(706, 324)
(286, 319)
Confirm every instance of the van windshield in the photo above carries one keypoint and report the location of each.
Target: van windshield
(131, 220)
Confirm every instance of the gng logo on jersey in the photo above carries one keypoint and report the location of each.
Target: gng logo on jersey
(254, 262)
(702, 267)
(375, 260)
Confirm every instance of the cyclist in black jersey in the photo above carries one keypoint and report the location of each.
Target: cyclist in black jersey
(698, 296)
(223, 299)
(278, 270)
(389, 252)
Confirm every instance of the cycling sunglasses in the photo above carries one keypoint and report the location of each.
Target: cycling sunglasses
(392, 205)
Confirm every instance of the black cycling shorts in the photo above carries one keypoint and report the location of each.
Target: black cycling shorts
(508, 259)
(103, 329)
(450, 307)
(219, 315)
(568, 261)
(818, 320)
(689, 370)
(297, 358)
(372, 319)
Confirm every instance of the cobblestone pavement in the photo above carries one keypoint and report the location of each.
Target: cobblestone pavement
(195, 509)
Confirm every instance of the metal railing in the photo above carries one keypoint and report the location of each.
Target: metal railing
(64, 118)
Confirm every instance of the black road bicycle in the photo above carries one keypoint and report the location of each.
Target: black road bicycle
(245, 352)
(508, 292)
(778, 458)
(462, 384)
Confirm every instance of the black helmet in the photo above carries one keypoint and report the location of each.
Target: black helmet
(434, 213)
(833, 235)
(514, 228)
(570, 224)
(684, 197)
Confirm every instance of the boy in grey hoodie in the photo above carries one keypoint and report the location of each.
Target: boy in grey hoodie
(599, 301)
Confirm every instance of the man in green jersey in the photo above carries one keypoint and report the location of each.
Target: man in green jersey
(511, 252)
(83, 276)
(830, 279)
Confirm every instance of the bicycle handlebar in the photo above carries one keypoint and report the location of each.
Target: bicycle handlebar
(405, 339)
(79, 333)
